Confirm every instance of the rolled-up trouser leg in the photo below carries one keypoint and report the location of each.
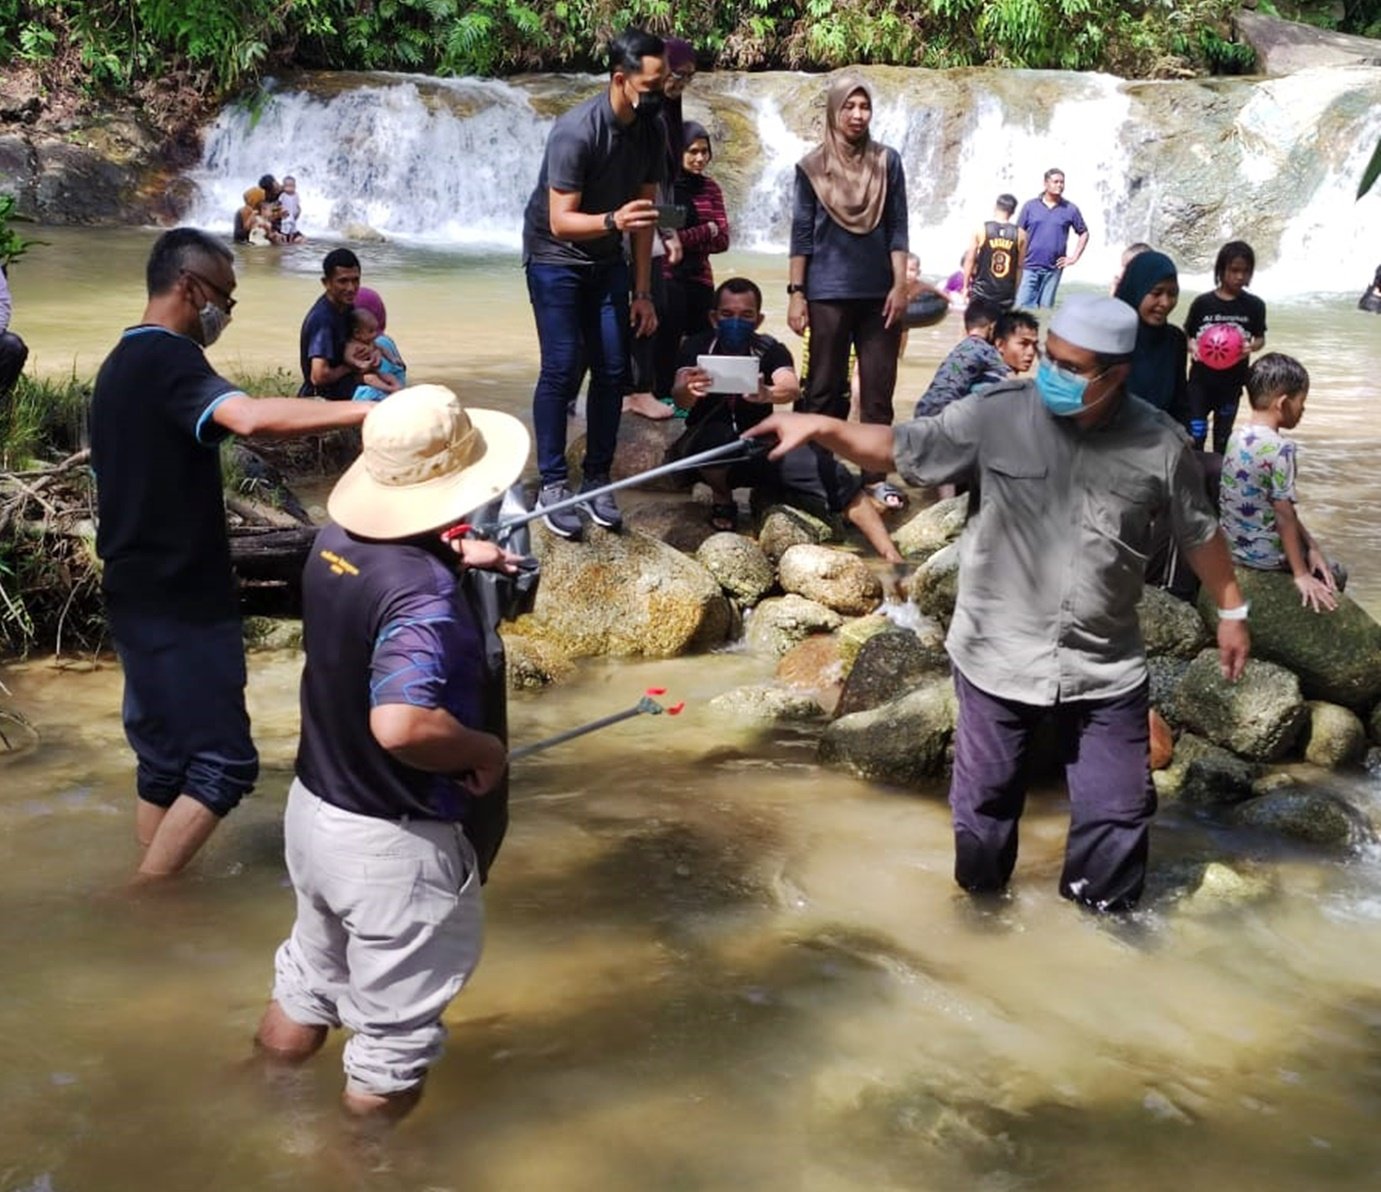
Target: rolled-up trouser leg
(1111, 799)
(987, 790)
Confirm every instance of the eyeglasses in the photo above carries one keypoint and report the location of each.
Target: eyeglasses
(206, 281)
(1069, 370)
(680, 76)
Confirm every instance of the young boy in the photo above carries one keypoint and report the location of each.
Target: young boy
(973, 361)
(291, 207)
(1257, 494)
(1017, 339)
(386, 373)
(714, 419)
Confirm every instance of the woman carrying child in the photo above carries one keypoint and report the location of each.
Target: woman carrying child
(386, 372)
(1217, 390)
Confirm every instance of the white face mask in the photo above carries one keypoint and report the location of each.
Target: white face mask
(213, 321)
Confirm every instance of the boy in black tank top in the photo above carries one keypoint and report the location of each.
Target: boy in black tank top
(992, 263)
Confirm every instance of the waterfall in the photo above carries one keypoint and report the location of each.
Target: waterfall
(1183, 165)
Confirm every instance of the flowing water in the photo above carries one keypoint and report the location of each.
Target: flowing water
(710, 964)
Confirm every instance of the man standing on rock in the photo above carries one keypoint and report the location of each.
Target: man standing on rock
(1046, 222)
(158, 415)
(325, 343)
(604, 161)
(1072, 470)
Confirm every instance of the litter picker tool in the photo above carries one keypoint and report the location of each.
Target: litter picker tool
(645, 706)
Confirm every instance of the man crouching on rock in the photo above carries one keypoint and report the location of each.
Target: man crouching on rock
(399, 802)
(1071, 469)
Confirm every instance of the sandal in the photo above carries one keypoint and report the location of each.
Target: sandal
(724, 516)
(886, 496)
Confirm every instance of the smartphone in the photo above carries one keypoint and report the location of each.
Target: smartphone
(669, 215)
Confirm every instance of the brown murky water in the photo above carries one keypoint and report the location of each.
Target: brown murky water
(710, 963)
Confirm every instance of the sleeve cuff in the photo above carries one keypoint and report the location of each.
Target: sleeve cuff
(208, 432)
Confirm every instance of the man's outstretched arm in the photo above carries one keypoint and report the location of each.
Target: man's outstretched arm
(867, 445)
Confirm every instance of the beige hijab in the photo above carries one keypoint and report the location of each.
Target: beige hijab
(849, 179)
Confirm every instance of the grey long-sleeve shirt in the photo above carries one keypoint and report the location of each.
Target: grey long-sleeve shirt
(1051, 565)
(843, 264)
(6, 306)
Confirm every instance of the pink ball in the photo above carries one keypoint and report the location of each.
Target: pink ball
(1221, 345)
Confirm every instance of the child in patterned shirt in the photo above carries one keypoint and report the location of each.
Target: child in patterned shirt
(1257, 497)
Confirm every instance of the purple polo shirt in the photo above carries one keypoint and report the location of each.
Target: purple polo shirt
(1047, 231)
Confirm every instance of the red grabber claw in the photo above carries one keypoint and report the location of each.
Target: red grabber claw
(656, 691)
(675, 709)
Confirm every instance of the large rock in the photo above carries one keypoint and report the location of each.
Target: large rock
(765, 704)
(1337, 655)
(1335, 737)
(933, 527)
(1165, 673)
(854, 635)
(1374, 724)
(936, 583)
(1170, 625)
(781, 622)
(1259, 717)
(642, 445)
(1313, 817)
(905, 741)
(77, 184)
(834, 578)
(740, 566)
(682, 524)
(784, 527)
(889, 665)
(1283, 47)
(532, 664)
(1204, 774)
(623, 594)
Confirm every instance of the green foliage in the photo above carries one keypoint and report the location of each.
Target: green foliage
(225, 44)
(12, 244)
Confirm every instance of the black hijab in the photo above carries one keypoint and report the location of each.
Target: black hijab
(1158, 363)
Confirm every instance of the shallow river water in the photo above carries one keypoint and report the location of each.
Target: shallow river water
(710, 963)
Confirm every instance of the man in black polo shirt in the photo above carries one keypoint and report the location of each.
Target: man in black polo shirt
(604, 160)
(324, 351)
(158, 415)
(993, 261)
(399, 802)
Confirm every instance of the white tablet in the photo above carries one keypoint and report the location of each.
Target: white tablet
(731, 374)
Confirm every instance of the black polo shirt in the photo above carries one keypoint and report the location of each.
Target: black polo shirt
(160, 514)
(589, 151)
(771, 354)
(325, 331)
(383, 623)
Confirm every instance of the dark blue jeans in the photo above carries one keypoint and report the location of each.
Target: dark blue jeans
(582, 322)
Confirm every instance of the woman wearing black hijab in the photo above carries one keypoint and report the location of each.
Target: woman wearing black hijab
(1151, 287)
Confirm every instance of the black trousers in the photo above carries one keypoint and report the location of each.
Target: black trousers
(835, 327)
(13, 353)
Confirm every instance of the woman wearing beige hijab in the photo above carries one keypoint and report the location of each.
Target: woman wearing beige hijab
(848, 264)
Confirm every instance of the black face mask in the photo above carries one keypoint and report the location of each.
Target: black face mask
(650, 104)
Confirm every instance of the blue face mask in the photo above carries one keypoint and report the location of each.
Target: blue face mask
(1061, 390)
(735, 334)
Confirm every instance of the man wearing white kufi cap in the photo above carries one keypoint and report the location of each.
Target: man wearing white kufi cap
(1071, 470)
(398, 804)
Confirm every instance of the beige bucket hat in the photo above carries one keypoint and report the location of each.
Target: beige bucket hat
(427, 462)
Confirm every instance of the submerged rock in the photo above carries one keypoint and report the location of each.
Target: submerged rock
(1207, 888)
(834, 578)
(272, 633)
(532, 664)
(889, 665)
(766, 704)
(813, 665)
(1312, 817)
(854, 635)
(1170, 625)
(740, 566)
(905, 741)
(1205, 774)
(1337, 655)
(623, 594)
(1259, 717)
(780, 622)
(933, 527)
(1335, 736)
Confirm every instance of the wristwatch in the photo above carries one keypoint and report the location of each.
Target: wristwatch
(610, 223)
(795, 288)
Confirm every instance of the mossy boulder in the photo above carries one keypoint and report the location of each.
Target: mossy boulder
(1170, 625)
(933, 527)
(532, 664)
(889, 665)
(905, 741)
(764, 703)
(740, 566)
(935, 586)
(1259, 717)
(1337, 655)
(784, 527)
(1205, 775)
(1335, 736)
(780, 622)
(834, 578)
(1311, 817)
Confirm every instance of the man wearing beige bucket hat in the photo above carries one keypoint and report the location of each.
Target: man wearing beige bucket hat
(399, 802)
